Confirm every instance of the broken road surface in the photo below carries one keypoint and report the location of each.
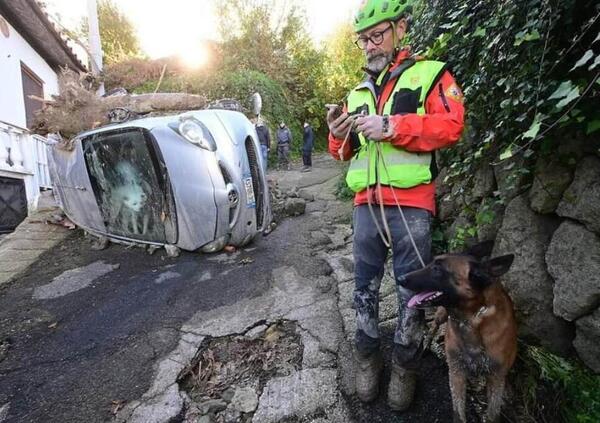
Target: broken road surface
(259, 334)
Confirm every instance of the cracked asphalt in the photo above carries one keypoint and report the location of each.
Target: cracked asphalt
(74, 357)
(99, 336)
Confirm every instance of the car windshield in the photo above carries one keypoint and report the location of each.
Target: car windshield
(129, 184)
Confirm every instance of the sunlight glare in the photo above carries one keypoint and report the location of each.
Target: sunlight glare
(194, 56)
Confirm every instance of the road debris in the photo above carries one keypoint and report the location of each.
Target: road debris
(99, 243)
(4, 347)
(229, 373)
(246, 261)
(60, 219)
(151, 249)
(172, 251)
(117, 405)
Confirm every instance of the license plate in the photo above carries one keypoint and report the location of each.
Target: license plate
(250, 199)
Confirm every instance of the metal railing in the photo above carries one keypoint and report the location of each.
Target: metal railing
(12, 143)
(41, 158)
(24, 153)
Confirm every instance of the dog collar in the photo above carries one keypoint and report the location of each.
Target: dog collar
(466, 322)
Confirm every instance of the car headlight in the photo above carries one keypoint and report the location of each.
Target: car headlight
(197, 133)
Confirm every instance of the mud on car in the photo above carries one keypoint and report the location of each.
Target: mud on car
(193, 180)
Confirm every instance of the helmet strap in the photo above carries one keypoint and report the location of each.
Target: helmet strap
(396, 40)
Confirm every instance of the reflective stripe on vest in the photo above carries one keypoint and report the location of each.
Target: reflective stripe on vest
(396, 167)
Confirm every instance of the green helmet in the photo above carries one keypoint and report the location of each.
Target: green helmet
(372, 12)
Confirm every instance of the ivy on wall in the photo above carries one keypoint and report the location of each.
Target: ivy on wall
(530, 71)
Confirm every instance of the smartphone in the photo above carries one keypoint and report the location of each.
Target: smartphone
(360, 111)
(337, 110)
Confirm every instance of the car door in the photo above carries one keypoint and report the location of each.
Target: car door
(72, 183)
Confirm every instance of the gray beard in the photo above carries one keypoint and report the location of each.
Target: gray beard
(378, 62)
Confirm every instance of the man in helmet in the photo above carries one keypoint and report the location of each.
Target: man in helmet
(404, 110)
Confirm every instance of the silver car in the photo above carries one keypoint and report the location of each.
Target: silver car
(193, 180)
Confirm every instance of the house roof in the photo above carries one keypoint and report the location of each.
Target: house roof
(33, 24)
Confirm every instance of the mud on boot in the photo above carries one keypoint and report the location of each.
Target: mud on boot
(368, 373)
(402, 387)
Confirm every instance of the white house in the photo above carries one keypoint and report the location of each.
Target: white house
(31, 55)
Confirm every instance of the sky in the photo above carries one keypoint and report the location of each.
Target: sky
(176, 27)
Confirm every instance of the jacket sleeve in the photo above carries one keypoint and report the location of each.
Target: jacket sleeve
(334, 148)
(442, 124)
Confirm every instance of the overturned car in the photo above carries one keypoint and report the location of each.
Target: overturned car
(193, 180)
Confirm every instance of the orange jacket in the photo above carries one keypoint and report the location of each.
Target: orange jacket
(441, 126)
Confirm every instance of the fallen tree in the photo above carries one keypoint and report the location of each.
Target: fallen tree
(78, 108)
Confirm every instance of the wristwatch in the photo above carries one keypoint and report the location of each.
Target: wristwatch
(385, 129)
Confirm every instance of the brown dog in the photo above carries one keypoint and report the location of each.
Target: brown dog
(481, 335)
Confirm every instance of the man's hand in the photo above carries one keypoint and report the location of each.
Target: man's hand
(339, 127)
(372, 127)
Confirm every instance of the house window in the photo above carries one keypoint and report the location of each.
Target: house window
(32, 85)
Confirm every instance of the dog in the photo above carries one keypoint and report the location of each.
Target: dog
(481, 334)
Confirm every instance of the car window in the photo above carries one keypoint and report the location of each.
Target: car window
(130, 188)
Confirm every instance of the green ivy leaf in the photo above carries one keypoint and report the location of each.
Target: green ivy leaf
(584, 59)
(597, 38)
(533, 130)
(523, 36)
(479, 32)
(562, 91)
(569, 98)
(533, 35)
(507, 154)
(593, 126)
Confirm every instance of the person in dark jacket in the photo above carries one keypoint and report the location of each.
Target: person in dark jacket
(307, 147)
(284, 139)
(264, 138)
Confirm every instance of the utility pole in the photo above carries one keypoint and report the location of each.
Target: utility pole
(94, 40)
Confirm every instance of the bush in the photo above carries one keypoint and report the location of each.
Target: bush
(551, 388)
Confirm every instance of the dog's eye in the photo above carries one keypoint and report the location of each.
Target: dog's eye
(436, 271)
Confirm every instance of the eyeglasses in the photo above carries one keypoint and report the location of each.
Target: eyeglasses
(376, 38)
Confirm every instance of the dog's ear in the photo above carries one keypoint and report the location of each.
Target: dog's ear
(481, 250)
(479, 276)
(482, 274)
(499, 265)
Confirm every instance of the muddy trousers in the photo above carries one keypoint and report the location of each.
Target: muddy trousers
(370, 254)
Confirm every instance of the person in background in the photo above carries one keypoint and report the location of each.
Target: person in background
(284, 140)
(307, 147)
(264, 137)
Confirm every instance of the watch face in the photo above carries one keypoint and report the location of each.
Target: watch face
(4, 27)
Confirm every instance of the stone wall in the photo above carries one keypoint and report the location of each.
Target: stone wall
(549, 217)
